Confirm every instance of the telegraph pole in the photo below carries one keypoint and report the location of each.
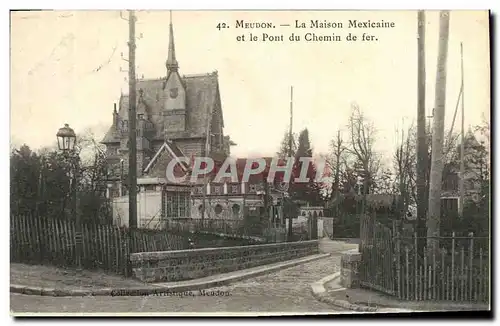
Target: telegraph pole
(290, 133)
(205, 180)
(434, 213)
(132, 126)
(462, 167)
(290, 155)
(422, 152)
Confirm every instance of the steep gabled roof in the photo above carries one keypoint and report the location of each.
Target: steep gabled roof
(169, 151)
(201, 98)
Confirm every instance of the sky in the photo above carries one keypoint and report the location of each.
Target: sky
(66, 67)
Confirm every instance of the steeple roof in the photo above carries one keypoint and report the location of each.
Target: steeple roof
(172, 64)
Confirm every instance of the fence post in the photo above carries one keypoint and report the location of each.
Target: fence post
(471, 262)
(463, 274)
(443, 292)
(398, 264)
(407, 256)
(453, 266)
(424, 288)
(481, 289)
(415, 243)
(434, 271)
(128, 250)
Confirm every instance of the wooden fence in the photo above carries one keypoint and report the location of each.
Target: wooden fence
(105, 247)
(390, 263)
(234, 227)
(376, 247)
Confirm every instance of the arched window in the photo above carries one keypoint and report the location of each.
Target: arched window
(218, 209)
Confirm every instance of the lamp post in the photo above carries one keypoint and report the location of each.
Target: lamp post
(66, 141)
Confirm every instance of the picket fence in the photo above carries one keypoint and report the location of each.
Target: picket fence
(105, 247)
(391, 263)
(229, 227)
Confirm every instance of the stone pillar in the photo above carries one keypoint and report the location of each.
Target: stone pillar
(350, 262)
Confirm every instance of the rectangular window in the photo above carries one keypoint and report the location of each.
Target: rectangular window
(217, 190)
(234, 189)
(177, 205)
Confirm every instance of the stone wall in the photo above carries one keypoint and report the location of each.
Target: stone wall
(350, 261)
(169, 266)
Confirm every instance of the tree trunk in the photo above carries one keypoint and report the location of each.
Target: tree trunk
(433, 219)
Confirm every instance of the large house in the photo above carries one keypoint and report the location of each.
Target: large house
(177, 116)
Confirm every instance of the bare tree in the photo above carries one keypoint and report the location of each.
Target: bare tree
(93, 204)
(361, 146)
(405, 159)
(405, 162)
(484, 130)
(336, 161)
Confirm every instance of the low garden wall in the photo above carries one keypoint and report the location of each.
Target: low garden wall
(168, 266)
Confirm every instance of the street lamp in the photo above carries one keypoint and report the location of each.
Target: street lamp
(66, 141)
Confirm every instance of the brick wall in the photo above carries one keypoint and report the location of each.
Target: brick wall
(169, 266)
(191, 147)
(175, 120)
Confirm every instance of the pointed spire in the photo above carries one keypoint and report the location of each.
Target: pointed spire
(172, 64)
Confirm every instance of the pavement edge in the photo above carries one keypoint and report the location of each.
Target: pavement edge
(159, 290)
(319, 292)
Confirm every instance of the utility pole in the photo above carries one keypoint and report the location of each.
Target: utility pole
(290, 133)
(422, 152)
(434, 213)
(205, 179)
(290, 156)
(462, 167)
(132, 161)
